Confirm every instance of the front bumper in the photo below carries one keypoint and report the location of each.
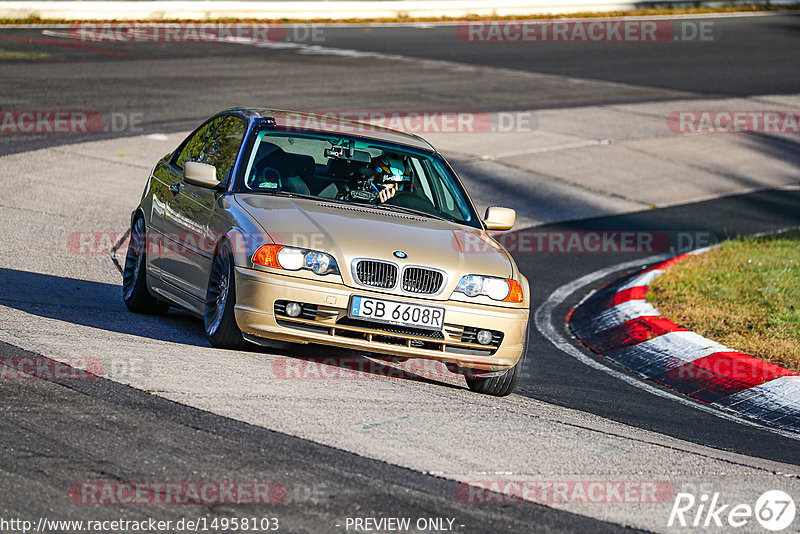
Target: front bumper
(258, 291)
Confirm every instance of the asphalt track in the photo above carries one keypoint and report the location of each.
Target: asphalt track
(65, 431)
(68, 431)
(742, 56)
(555, 380)
(171, 86)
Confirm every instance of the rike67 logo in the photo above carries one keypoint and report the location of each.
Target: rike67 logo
(774, 510)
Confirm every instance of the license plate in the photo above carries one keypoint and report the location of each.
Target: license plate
(400, 313)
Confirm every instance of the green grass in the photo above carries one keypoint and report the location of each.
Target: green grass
(744, 294)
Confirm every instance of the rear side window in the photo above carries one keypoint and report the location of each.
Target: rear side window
(193, 148)
(221, 148)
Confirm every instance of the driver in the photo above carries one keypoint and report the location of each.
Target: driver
(392, 175)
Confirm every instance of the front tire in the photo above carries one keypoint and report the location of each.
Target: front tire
(503, 384)
(134, 276)
(220, 322)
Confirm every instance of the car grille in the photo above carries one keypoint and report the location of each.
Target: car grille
(394, 329)
(376, 273)
(420, 280)
(334, 322)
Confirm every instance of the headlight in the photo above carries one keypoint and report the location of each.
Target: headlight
(504, 289)
(294, 259)
(319, 262)
(290, 258)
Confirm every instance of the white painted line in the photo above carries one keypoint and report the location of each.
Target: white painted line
(621, 313)
(655, 356)
(773, 401)
(543, 318)
(542, 150)
(55, 33)
(644, 279)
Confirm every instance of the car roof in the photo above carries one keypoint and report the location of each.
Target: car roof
(331, 123)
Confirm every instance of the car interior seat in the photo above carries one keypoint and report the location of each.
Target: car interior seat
(289, 172)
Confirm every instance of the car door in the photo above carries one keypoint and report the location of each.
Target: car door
(186, 252)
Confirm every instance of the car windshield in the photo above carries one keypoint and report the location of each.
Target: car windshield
(358, 171)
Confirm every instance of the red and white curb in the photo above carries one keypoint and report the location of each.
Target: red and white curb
(618, 323)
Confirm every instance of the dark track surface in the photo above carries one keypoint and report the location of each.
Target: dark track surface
(557, 379)
(58, 433)
(745, 56)
(173, 86)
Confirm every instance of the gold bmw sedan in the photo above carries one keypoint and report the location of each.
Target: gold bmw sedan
(275, 226)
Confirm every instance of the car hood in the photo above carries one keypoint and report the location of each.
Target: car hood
(350, 231)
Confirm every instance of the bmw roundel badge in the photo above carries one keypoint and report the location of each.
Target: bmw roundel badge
(400, 254)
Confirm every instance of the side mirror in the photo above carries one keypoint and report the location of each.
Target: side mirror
(200, 174)
(499, 218)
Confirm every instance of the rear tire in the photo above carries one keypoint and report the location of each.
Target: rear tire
(134, 276)
(220, 321)
(503, 384)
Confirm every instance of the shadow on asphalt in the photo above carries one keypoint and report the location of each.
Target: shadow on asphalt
(99, 305)
(93, 304)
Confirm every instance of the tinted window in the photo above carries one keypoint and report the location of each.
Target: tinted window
(221, 148)
(193, 148)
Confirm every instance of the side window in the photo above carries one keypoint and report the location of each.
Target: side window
(193, 149)
(222, 147)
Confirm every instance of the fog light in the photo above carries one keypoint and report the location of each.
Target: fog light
(484, 337)
(293, 309)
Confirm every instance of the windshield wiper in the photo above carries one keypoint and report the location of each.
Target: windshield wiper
(294, 195)
(403, 209)
(310, 197)
(388, 207)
